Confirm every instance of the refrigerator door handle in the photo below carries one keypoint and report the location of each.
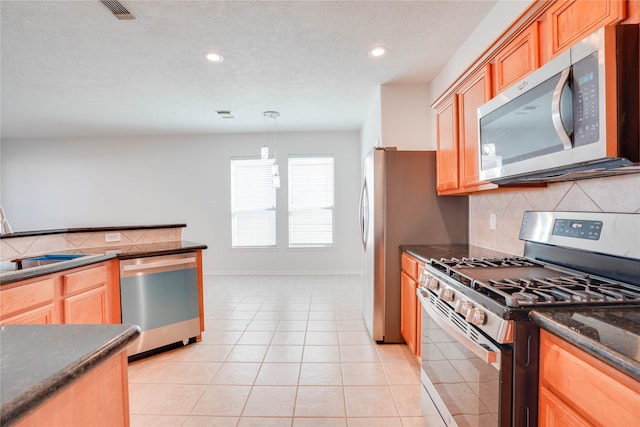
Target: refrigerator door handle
(364, 214)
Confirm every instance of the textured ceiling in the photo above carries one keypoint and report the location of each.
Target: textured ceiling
(70, 68)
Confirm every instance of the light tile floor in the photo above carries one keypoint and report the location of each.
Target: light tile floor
(279, 351)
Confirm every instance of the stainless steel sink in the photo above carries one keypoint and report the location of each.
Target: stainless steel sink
(45, 260)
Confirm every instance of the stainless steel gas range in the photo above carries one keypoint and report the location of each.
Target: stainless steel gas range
(479, 350)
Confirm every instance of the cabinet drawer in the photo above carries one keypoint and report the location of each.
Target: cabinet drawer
(410, 266)
(24, 297)
(85, 279)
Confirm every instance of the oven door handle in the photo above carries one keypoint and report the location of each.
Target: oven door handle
(482, 350)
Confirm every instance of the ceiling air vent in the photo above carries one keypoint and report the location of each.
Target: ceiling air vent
(117, 9)
(225, 114)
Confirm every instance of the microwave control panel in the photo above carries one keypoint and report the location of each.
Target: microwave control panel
(586, 120)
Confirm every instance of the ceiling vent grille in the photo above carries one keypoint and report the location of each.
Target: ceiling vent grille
(117, 9)
(225, 114)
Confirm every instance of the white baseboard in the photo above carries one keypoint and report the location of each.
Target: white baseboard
(285, 273)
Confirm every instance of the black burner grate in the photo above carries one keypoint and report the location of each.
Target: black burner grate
(556, 288)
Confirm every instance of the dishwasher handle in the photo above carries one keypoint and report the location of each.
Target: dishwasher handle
(144, 267)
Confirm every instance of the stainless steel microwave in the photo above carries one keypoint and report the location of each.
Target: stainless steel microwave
(575, 117)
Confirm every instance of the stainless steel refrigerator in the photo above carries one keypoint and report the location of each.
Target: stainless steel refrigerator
(399, 206)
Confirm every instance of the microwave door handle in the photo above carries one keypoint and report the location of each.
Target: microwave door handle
(556, 116)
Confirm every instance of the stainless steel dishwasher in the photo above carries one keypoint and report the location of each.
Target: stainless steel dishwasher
(160, 294)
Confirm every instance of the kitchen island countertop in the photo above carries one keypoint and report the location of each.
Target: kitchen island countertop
(37, 361)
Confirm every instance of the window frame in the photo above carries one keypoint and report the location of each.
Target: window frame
(234, 211)
(331, 208)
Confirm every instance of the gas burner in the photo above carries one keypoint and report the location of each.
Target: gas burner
(487, 262)
(523, 292)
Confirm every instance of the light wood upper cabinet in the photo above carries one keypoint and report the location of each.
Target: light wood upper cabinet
(545, 30)
(576, 389)
(569, 21)
(471, 95)
(457, 133)
(447, 141)
(517, 59)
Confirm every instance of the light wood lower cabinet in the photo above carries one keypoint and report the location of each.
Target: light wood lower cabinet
(99, 398)
(86, 296)
(83, 295)
(29, 303)
(410, 310)
(576, 389)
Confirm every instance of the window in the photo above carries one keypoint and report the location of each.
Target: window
(311, 201)
(253, 203)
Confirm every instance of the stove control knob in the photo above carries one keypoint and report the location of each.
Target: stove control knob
(447, 295)
(466, 308)
(432, 283)
(477, 317)
(423, 278)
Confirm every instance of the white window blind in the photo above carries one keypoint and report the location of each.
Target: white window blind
(311, 201)
(253, 203)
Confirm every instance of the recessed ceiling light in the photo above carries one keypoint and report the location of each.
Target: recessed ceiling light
(378, 51)
(214, 57)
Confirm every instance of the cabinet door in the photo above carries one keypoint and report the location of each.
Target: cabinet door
(517, 59)
(473, 94)
(418, 309)
(28, 303)
(447, 140)
(89, 307)
(553, 412)
(39, 316)
(571, 20)
(86, 296)
(408, 310)
(598, 392)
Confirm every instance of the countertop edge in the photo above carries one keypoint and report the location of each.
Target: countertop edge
(30, 399)
(87, 230)
(601, 352)
(16, 276)
(30, 273)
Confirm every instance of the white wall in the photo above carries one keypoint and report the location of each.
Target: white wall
(371, 130)
(490, 28)
(179, 179)
(399, 117)
(405, 116)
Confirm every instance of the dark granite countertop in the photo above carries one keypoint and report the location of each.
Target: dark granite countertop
(37, 361)
(426, 252)
(611, 334)
(95, 255)
(87, 230)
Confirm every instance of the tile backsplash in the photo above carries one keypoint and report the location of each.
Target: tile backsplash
(34, 245)
(612, 194)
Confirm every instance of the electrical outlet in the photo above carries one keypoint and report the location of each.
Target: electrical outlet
(111, 237)
(492, 221)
